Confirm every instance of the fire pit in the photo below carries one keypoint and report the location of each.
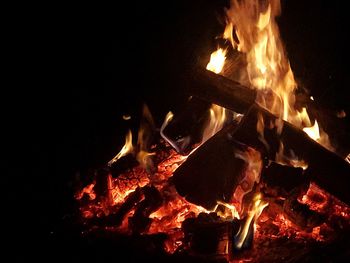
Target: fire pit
(244, 172)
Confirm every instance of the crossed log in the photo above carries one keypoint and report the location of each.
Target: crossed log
(211, 169)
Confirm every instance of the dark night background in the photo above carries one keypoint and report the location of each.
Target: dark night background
(84, 67)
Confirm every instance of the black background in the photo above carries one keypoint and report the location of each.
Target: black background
(80, 68)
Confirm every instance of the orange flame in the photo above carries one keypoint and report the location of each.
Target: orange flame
(268, 70)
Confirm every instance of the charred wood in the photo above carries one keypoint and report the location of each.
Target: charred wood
(220, 90)
(207, 234)
(326, 168)
(300, 214)
(152, 201)
(234, 96)
(280, 179)
(212, 172)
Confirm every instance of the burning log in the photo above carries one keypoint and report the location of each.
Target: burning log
(300, 214)
(325, 168)
(281, 179)
(212, 172)
(232, 95)
(220, 90)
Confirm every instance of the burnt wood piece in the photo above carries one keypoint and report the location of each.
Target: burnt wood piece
(220, 90)
(207, 234)
(325, 168)
(300, 214)
(281, 179)
(212, 172)
(186, 127)
(152, 201)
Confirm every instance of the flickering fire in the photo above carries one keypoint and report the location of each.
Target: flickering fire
(268, 70)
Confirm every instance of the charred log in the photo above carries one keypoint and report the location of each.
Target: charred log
(326, 168)
(220, 90)
(300, 214)
(280, 179)
(207, 234)
(152, 201)
(234, 96)
(212, 172)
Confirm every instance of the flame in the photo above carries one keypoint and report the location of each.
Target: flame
(268, 70)
(216, 121)
(217, 60)
(127, 148)
(313, 132)
(218, 114)
(230, 212)
(251, 175)
(254, 212)
(289, 159)
(89, 190)
(144, 137)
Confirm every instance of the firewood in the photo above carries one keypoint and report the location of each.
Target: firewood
(232, 95)
(220, 90)
(152, 201)
(325, 168)
(281, 179)
(212, 172)
(207, 234)
(300, 214)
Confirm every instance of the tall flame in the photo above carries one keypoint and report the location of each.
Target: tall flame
(268, 70)
(254, 212)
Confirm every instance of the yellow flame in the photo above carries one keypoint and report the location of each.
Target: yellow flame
(217, 61)
(289, 159)
(250, 177)
(127, 148)
(258, 206)
(313, 132)
(216, 121)
(268, 69)
(230, 213)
